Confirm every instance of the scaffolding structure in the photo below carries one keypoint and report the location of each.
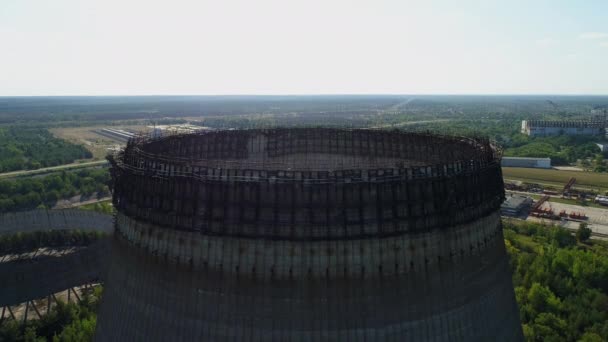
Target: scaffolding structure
(307, 183)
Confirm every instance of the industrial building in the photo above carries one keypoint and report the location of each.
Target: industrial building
(308, 234)
(116, 134)
(540, 163)
(164, 130)
(157, 131)
(515, 205)
(544, 128)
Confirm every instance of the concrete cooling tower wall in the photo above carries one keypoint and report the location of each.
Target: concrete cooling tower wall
(308, 235)
(36, 274)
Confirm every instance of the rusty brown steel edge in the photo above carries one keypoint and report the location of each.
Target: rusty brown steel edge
(282, 139)
(227, 149)
(294, 205)
(299, 211)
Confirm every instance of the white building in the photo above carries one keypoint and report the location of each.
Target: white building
(603, 147)
(540, 163)
(543, 128)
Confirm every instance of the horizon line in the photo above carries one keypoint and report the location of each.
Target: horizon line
(312, 94)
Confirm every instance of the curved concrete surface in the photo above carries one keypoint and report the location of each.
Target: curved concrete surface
(68, 219)
(451, 285)
(35, 275)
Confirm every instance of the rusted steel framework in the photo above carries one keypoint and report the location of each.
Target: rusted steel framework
(298, 184)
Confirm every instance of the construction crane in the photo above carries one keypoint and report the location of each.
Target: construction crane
(543, 212)
(566, 192)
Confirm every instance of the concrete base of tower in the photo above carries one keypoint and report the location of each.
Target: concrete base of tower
(147, 298)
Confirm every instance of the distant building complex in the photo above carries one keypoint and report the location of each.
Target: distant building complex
(540, 163)
(544, 128)
(157, 131)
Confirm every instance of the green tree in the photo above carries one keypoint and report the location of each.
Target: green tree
(31, 336)
(77, 331)
(583, 233)
(549, 327)
(598, 163)
(542, 299)
(591, 337)
(30, 193)
(562, 237)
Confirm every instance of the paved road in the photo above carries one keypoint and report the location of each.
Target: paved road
(408, 123)
(598, 218)
(573, 226)
(53, 169)
(80, 204)
(525, 193)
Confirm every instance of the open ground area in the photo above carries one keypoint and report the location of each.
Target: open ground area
(558, 178)
(86, 136)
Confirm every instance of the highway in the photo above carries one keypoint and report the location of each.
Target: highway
(53, 169)
(80, 204)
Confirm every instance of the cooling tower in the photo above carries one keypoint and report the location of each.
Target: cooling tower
(308, 234)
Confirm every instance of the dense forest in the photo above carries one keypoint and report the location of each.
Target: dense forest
(33, 192)
(25, 148)
(562, 150)
(561, 284)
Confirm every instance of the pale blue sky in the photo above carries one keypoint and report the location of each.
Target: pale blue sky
(122, 47)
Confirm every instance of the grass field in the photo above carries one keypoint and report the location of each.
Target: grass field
(97, 144)
(558, 178)
(105, 207)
